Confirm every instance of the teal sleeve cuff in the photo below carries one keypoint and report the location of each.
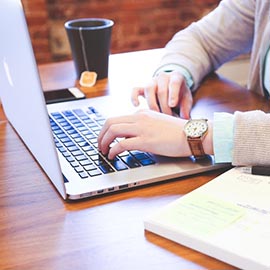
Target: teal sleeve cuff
(172, 67)
(223, 137)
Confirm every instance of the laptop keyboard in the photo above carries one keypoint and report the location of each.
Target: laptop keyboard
(75, 134)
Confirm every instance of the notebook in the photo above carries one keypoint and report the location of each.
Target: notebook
(45, 129)
(228, 219)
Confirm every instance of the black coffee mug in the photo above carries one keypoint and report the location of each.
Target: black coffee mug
(90, 41)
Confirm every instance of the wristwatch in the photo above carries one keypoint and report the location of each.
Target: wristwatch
(195, 130)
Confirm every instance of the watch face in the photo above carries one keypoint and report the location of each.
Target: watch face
(196, 128)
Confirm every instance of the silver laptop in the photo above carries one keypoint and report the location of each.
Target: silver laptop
(62, 136)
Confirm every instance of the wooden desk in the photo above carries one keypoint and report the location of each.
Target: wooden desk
(38, 230)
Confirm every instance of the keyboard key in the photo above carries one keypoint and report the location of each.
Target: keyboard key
(79, 169)
(147, 161)
(105, 168)
(84, 175)
(85, 162)
(84, 145)
(73, 148)
(131, 161)
(91, 152)
(68, 144)
(119, 165)
(74, 163)
(70, 159)
(66, 154)
(80, 157)
(90, 167)
(95, 172)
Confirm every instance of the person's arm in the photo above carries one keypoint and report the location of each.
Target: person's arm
(148, 131)
(251, 138)
(224, 33)
(242, 138)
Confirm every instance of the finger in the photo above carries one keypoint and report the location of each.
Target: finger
(127, 144)
(175, 86)
(162, 93)
(186, 103)
(120, 130)
(136, 92)
(110, 122)
(150, 95)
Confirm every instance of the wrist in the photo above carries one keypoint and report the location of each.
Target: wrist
(208, 140)
(181, 69)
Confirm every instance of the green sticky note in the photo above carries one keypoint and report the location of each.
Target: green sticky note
(201, 214)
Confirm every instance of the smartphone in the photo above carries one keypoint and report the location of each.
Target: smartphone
(65, 94)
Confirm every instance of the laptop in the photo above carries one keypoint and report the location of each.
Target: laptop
(59, 136)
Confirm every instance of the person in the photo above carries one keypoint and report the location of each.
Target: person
(234, 27)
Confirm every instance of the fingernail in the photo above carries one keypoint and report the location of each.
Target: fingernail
(171, 103)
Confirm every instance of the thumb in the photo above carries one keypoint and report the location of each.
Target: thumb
(136, 92)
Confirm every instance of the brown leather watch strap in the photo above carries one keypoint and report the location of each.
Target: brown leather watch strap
(196, 147)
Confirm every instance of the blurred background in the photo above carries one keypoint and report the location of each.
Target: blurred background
(139, 24)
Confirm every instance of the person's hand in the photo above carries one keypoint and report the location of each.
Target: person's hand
(166, 92)
(147, 131)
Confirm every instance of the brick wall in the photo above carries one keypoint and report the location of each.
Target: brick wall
(139, 24)
(37, 18)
